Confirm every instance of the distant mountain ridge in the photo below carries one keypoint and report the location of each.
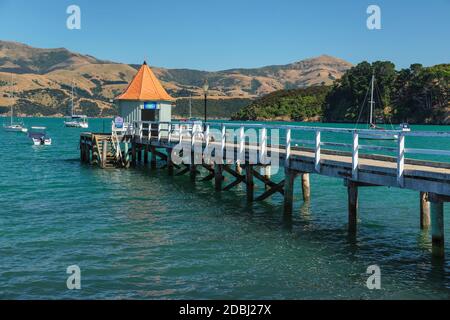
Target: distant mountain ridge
(42, 79)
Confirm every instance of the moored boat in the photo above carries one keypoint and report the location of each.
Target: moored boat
(39, 136)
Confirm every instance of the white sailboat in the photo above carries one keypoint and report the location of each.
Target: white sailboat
(76, 121)
(14, 127)
(378, 132)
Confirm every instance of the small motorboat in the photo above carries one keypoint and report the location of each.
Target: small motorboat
(405, 127)
(39, 136)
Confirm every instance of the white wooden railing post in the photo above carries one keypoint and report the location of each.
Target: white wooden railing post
(207, 136)
(159, 132)
(241, 145)
(192, 138)
(222, 147)
(317, 152)
(262, 157)
(170, 133)
(180, 137)
(141, 127)
(355, 155)
(288, 147)
(401, 160)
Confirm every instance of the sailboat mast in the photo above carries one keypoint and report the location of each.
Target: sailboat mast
(372, 102)
(190, 107)
(12, 97)
(71, 113)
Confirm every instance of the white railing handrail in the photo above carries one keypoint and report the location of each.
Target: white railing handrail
(193, 129)
(384, 132)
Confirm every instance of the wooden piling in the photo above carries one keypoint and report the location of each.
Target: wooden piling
(437, 227)
(153, 158)
(267, 172)
(289, 180)
(352, 191)
(424, 211)
(139, 154)
(306, 189)
(81, 149)
(169, 162)
(146, 149)
(218, 176)
(104, 153)
(125, 154)
(133, 153)
(250, 183)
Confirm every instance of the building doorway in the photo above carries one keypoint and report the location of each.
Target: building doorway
(150, 115)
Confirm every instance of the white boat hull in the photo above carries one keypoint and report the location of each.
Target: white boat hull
(42, 142)
(368, 136)
(75, 124)
(15, 129)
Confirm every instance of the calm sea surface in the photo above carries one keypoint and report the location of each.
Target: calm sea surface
(140, 234)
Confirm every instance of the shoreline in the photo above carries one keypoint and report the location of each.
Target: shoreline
(238, 120)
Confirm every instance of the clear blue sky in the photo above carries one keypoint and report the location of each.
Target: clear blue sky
(219, 34)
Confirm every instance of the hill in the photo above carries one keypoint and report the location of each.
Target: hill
(42, 80)
(304, 104)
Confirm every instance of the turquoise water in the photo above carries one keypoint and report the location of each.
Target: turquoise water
(141, 234)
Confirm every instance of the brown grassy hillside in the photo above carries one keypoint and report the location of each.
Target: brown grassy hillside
(42, 79)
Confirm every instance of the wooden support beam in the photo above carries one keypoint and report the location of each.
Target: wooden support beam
(437, 228)
(352, 190)
(263, 179)
(184, 171)
(218, 176)
(161, 155)
(208, 167)
(272, 190)
(249, 182)
(289, 179)
(306, 189)
(267, 173)
(424, 211)
(239, 178)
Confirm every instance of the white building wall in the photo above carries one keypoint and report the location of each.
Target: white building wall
(130, 111)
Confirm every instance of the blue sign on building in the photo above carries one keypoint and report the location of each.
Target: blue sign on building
(150, 106)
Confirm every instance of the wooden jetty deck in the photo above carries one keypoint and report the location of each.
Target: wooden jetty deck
(220, 152)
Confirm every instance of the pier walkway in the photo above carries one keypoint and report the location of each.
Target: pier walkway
(249, 152)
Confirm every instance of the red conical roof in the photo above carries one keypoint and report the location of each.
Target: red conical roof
(145, 87)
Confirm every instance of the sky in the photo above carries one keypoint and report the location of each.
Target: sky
(223, 34)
